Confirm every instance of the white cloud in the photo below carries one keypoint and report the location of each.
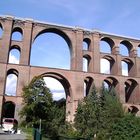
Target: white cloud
(13, 59)
(124, 69)
(104, 66)
(58, 95)
(55, 87)
(85, 63)
(11, 83)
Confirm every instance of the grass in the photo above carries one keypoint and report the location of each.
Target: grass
(29, 132)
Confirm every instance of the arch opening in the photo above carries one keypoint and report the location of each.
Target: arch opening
(51, 47)
(14, 55)
(56, 88)
(138, 51)
(8, 109)
(88, 83)
(105, 66)
(86, 62)
(86, 44)
(11, 83)
(106, 45)
(1, 31)
(17, 34)
(133, 109)
(126, 67)
(125, 48)
(62, 84)
(131, 89)
(61, 90)
(110, 82)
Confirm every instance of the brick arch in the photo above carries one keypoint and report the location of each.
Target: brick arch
(9, 111)
(1, 26)
(128, 45)
(111, 61)
(88, 42)
(12, 71)
(133, 109)
(109, 41)
(61, 79)
(15, 47)
(1, 30)
(20, 31)
(131, 90)
(130, 64)
(89, 81)
(111, 81)
(58, 32)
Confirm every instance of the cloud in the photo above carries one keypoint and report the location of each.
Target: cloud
(13, 59)
(124, 68)
(104, 66)
(55, 87)
(11, 83)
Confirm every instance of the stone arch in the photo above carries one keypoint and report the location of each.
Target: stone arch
(1, 30)
(65, 44)
(106, 45)
(125, 44)
(62, 80)
(111, 82)
(17, 34)
(8, 109)
(67, 87)
(138, 50)
(58, 32)
(127, 65)
(89, 81)
(14, 54)
(86, 62)
(133, 109)
(11, 82)
(111, 62)
(86, 44)
(131, 90)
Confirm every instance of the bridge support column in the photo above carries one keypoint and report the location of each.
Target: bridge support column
(96, 53)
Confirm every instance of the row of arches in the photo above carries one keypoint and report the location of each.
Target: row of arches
(131, 86)
(107, 63)
(106, 45)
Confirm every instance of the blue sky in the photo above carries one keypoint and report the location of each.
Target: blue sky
(113, 16)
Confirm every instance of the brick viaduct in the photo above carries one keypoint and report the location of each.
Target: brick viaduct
(72, 80)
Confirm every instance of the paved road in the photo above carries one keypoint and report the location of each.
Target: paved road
(4, 136)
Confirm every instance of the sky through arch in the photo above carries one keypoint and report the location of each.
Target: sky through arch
(48, 48)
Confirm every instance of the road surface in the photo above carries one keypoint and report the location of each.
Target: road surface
(6, 136)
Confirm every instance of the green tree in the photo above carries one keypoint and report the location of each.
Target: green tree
(126, 128)
(97, 113)
(37, 102)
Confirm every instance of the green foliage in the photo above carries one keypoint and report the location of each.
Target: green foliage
(38, 104)
(126, 128)
(97, 112)
(37, 100)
